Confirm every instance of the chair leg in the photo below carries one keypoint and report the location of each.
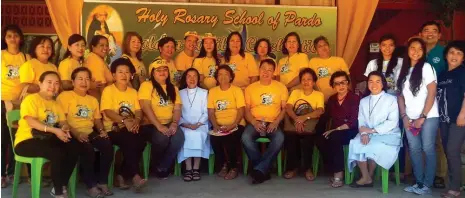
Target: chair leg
(385, 179)
(245, 162)
(72, 183)
(112, 168)
(347, 174)
(177, 168)
(279, 161)
(211, 164)
(146, 160)
(17, 177)
(316, 160)
(36, 177)
(377, 173)
(397, 171)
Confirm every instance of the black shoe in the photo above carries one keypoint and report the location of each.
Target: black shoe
(161, 174)
(258, 177)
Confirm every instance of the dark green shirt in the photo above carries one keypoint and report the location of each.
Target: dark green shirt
(435, 57)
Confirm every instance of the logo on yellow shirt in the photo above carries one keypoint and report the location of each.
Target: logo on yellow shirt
(13, 72)
(211, 70)
(285, 69)
(162, 102)
(50, 117)
(323, 72)
(221, 105)
(267, 99)
(125, 109)
(177, 76)
(233, 67)
(83, 111)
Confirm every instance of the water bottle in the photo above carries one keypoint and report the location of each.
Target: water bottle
(263, 134)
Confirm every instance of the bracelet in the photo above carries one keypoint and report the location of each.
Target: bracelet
(364, 133)
(45, 129)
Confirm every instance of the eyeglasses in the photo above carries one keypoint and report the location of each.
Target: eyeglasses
(344, 82)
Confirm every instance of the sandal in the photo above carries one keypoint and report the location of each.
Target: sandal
(223, 171)
(448, 194)
(439, 182)
(94, 193)
(139, 185)
(120, 183)
(104, 189)
(290, 174)
(337, 182)
(309, 175)
(188, 176)
(232, 174)
(195, 175)
(4, 182)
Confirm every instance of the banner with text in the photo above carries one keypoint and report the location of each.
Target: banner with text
(157, 20)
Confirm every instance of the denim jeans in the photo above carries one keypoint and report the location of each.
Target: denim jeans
(424, 142)
(261, 162)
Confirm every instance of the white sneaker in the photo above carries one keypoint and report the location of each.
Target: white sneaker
(422, 191)
(411, 189)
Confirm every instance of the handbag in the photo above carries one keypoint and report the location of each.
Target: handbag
(301, 107)
(126, 113)
(42, 135)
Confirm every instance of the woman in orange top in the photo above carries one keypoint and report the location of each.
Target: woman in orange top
(95, 61)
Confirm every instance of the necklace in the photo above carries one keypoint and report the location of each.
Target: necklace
(191, 102)
(370, 110)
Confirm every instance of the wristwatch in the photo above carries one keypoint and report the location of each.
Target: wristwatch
(308, 118)
(423, 116)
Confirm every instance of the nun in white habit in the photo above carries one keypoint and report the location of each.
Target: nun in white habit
(194, 124)
(379, 138)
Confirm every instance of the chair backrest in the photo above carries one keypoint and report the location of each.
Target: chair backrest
(12, 117)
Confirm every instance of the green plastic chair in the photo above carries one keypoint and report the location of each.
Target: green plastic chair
(245, 159)
(36, 166)
(145, 163)
(211, 166)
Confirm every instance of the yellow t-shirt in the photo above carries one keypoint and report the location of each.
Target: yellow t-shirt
(243, 67)
(31, 70)
(66, 67)
(316, 99)
(138, 65)
(98, 67)
(225, 104)
(162, 109)
(289, 67)
(183, 61)
(206, 67)
(10, 74)
(324, 68)
(265, 101)
(175, 75)
(122, 102)
(48, 112)
(80, 111)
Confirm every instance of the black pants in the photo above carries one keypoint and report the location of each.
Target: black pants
(131, 145)
(87, 161)
(332, 148)
(229, 143)
(295, 143)
(164, 148)
(7, 149)
(63, 157)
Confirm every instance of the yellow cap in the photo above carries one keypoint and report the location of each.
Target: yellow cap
(157, 64)
(209, 35)
(191, 33)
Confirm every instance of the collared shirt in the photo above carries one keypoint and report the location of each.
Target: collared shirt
(344, 113)
(435, 57)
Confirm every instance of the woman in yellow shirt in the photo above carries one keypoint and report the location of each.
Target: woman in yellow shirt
(161, 104)
(207, 61)
(121, 120)
(242, 63)
(262, 51)
(226, 112)
(132, 49)
(294, 61)
(313, 101)
(95, 61)
(167, 47)
(186, 57)
(44, 132)
(12, 59)
(82, 112)
(73, 59)
(41, 52)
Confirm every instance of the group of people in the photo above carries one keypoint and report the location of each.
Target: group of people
(196, 105)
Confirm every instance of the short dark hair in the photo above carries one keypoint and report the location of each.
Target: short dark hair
(283, 48)
(227, 68)
(308, 71)
(17, 30)
(431, 23)
(383, 80)
(71, 40)
(122, 62)
(255, 48)
(318, 39)
(37, 41)
(269, 61)
(95, 41)
(165, 40)
(45, 74)
(457, 44)
(183, 83)
(338, 74)
(80, 69)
